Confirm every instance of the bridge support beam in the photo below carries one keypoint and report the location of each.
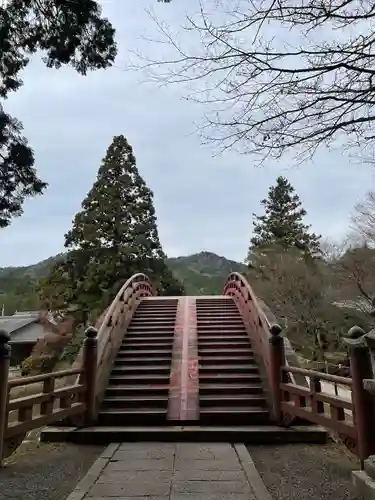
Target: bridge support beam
(184, 385)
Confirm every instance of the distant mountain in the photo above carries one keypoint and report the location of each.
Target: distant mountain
(203, 273)
(35, 271)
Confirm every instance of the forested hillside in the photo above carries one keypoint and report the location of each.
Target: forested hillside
(201, 274)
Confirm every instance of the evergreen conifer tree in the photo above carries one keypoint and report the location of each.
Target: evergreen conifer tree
(282, 224)
(115, 234)
(169, 284)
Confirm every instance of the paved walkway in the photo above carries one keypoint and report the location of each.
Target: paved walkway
(172, 471)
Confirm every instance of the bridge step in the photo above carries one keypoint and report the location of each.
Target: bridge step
(138, 387)
(225, 348)
(231, 344)
(232, 415)
(151, 327)
(135, 401)
(141, 369)
(140, 314)
(230, 390)
(134, 358)
(137, 390)
(251, 434)
(142, 346)
(146, 351)
(141, 317)
(227, 363)
(222, 329)
(145, 339)
(224, 400)
(229, 383)
(133, 416)
(149, 378)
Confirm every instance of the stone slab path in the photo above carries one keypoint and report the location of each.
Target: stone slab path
(172, 471)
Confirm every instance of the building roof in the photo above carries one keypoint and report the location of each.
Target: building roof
(26, 313)
(13, 323)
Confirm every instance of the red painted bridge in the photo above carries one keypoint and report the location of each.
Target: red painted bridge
(185, 368)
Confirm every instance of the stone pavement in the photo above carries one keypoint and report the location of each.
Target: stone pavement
(172, 471)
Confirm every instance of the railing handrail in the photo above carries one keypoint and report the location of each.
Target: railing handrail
(33, 379)
(289, 400)
(55, 404)
(250, 290)
(79, 396)
(111, 310)
(255, 320)
(116, 300)
(111, 331)
(345, 381)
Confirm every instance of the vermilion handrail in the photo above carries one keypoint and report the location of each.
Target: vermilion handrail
(256, 322)
(352, 420)
(136, 287)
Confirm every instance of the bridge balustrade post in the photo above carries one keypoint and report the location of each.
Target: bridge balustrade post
(363, 402)
(4, 376)
(277, 360)
(90, 368)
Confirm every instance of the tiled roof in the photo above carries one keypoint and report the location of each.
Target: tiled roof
(26, 313)
(12, 323)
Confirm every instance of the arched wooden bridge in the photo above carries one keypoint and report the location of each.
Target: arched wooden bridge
(185, 368)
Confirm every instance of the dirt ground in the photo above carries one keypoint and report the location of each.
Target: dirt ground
(43, 471)
(299, 472)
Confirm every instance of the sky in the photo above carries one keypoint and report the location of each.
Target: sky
(203, 201)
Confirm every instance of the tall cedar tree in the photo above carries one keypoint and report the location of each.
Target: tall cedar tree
(67, 32)
(114, 235)
(282, 224)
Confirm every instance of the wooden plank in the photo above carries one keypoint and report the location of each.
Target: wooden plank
(190, 410)
(56, 416)
(174, 404)
(183, 393)
(319, 396)
(21, 381)
(344, 428)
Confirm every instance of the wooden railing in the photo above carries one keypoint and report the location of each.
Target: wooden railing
(111, 333)
(315, 405)
(48, 404)
(351, 419)
(77, 401)
(258, 330)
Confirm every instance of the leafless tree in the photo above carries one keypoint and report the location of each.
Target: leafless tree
(296, 289)
(352, 270)
(355, 271)
(364, 219)
(278, 75)
(332, 251)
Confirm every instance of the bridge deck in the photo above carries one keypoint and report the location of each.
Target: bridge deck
(172, 471)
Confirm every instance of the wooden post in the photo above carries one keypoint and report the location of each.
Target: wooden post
(4, 374)
(89, 367)
(277, 360)
(363, 403)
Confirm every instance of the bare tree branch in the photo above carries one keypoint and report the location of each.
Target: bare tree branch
(364, 218)
(278, 75)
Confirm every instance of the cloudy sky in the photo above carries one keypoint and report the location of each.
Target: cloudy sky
(203, 202)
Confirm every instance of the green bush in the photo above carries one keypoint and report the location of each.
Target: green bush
(71, 350)
(36, 366)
